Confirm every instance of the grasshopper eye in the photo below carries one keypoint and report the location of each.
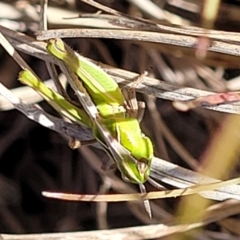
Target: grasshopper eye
(142, 167)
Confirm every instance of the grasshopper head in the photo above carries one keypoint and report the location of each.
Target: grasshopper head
(135, 171)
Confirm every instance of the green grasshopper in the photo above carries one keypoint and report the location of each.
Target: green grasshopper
(106, 113)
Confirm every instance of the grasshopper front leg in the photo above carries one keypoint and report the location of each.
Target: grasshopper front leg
(135, 108)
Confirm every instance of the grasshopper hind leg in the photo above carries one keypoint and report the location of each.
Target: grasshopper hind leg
(135, 109)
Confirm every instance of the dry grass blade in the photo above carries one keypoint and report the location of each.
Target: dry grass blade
(155, 37)
(12, 52)
(139, 196)
(149, 86)
(215, 213)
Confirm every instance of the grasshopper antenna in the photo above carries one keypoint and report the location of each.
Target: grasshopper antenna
(146, 202)
(156, 184)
